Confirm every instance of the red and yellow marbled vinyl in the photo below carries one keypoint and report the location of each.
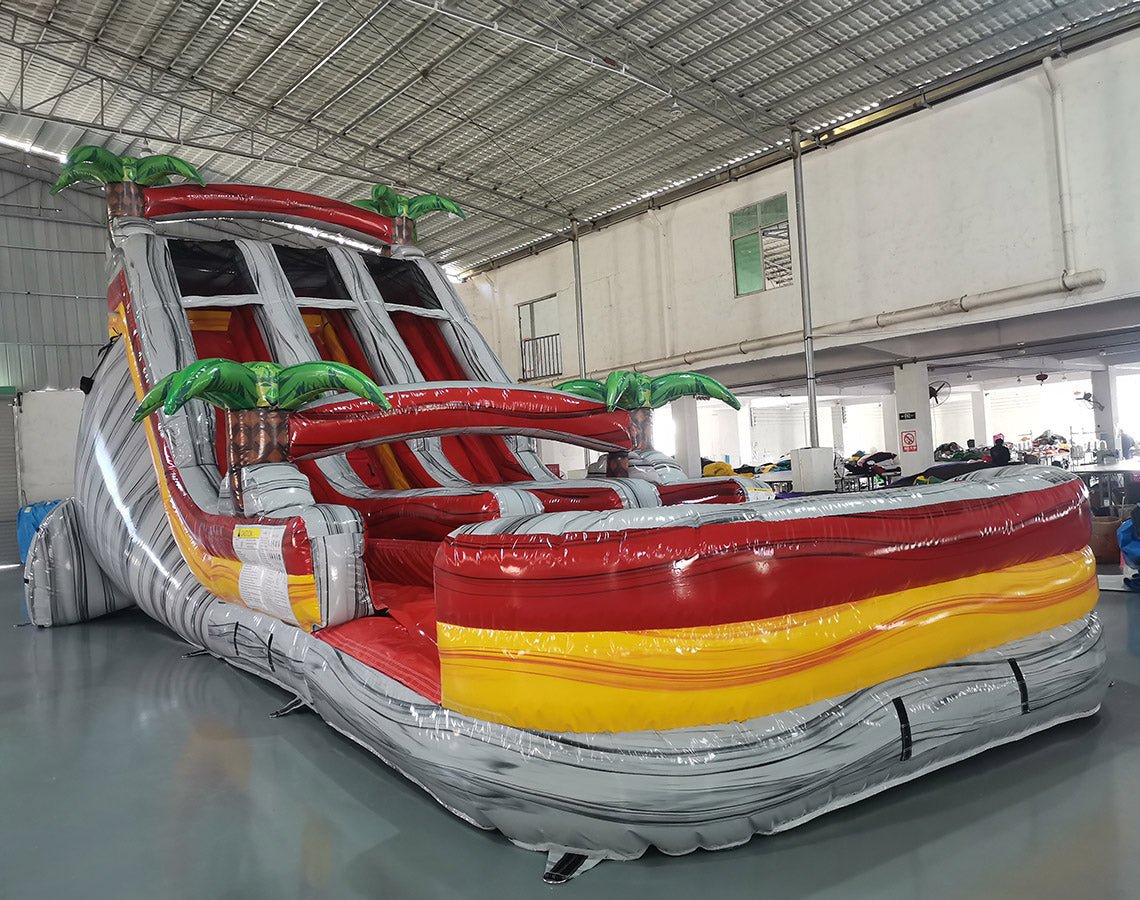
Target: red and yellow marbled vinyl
(677, 677)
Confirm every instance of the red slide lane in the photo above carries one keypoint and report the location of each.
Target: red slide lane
(677, 577)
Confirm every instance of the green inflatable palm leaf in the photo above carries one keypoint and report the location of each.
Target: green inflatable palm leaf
(632, 390)
(98, 156)
(151, 170)
(667, 388)
(233, 385)
(73, 173)
(99, 165)
(154, 399)
(387, 202)
(306, 381)
(626, 390)
(425, 203)
(584, 387)
(221, 382)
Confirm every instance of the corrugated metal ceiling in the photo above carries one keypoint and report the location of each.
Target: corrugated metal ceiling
(527, 113)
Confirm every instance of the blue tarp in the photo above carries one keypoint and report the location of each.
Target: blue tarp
(28, 520)
(1129, 543)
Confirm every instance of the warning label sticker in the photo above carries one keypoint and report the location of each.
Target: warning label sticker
(260, 545)
(910, 442)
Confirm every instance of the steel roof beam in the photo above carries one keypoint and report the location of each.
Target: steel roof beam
(455, 92)
(807, 31)
(877, 63)
(397, 46)
(303, 133)
(280, 45)
(740, 108)
(588, 57)
(327, 58)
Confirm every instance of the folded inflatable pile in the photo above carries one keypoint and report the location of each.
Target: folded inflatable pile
(592, 667)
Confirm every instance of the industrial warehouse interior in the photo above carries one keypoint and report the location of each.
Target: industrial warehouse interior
(612, 448)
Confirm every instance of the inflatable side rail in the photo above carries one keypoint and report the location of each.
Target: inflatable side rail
(689, 616)
(346, 424)
(186, 200)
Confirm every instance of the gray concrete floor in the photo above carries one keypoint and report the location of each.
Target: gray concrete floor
(128, 772)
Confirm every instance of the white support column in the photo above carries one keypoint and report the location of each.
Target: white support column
(912, 426)
(744, 432)
(890, 419)
(982, 435)
(687, 435)
(1105, 420)
(837, 437)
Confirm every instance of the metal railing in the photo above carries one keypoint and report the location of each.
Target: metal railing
(541, 356)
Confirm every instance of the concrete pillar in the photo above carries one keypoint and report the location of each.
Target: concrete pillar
(1105, 421)
(744, 432)
(912, 426)
(981, 434)
(688, 435)
(837, 438)
(890, 418)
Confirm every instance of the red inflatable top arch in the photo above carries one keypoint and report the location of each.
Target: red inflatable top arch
(246, 199)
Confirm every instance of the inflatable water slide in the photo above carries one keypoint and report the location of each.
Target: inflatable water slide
(333, 483)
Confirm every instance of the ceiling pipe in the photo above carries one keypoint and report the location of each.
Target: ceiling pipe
(966, 303)
(1061, 155)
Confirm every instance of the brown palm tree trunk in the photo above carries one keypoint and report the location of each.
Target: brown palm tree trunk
(641, 428)
(403, 230)
(253, 436)
(124, 198)
(641, 438)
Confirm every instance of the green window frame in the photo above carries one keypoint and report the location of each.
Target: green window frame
(761, 246)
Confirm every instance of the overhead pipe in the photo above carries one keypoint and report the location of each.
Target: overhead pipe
(1061, 154)
(965, 303)
(805, 289)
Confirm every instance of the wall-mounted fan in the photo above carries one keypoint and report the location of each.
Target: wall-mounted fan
(939, 392)
(1090, 401)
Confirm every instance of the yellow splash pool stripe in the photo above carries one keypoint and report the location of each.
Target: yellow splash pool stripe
(672, 678)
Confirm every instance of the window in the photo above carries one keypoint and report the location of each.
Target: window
(761, 248)
(539, 341)
(400, 282)
(311, 272)
(210, 268)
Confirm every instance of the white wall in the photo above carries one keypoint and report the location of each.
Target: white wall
(957, 199)
(779, 428)
(1024, 411)
(53, 290)
(863, 429)
(953, 420)
(1128, 403)
(47, 429)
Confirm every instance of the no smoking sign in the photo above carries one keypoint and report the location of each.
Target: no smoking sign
(910, 442)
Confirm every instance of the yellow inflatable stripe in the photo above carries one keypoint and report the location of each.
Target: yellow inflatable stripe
(627, 681)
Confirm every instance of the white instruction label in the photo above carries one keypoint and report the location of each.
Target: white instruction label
(260, 545)
(266, 590)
